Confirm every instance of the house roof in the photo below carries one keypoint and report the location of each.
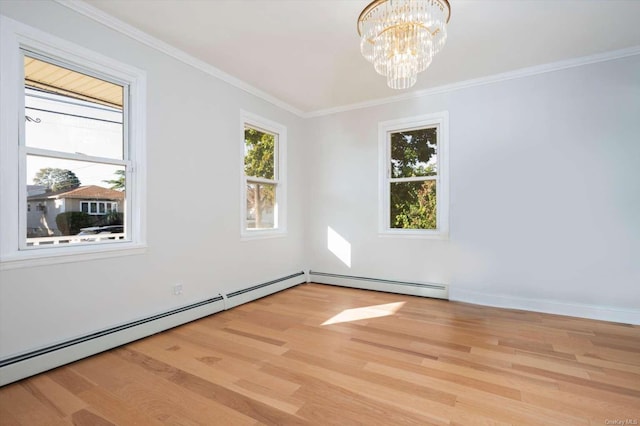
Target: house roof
(53, 78)
(89, 192)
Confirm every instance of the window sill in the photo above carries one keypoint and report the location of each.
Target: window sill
(56, 256)
(261, 235)
(425, 235)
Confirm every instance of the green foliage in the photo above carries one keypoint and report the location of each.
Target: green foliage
(259, 161)
(259, 154)
(111, 218)
(119, 183)
(413, 204)
(411, 151)
(55, 179)
(70, 223)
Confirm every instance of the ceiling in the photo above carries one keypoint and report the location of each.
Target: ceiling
(306, 52)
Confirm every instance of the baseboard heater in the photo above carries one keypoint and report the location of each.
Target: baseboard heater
(239, 297)
(438, 291)
(28, 364)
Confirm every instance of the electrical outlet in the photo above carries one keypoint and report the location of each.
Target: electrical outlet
(177, 289)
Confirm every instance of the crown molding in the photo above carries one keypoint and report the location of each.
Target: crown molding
(491, 79)
(147, 39)
(138, 35)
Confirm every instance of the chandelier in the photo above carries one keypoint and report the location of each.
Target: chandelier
(400, 37)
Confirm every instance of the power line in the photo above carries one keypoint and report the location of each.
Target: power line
(72, 115)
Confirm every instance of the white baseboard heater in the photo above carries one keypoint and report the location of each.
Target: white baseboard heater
(438, 291)
(28, 364)
(239, 297)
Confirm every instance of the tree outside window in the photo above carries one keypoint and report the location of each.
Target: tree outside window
(414, 164)
(414, 176)
(259, 168)
(263, 188)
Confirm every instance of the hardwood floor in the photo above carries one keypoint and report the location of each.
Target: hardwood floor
(273, 361)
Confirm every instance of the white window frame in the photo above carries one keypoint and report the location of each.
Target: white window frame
(248, 119)
(385, 129)
(15, 38)
(97, 203)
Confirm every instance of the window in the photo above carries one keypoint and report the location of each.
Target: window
(80, 135)
(98, 207)
(74, 141)
(263, 177)
(414, 176)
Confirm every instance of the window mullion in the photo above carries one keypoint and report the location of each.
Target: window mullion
(40, 152)
(253, 179)
(413, 179)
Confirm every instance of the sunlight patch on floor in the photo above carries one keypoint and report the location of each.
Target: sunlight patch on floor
(367, 312)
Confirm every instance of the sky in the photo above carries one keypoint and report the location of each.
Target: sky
(72, 126)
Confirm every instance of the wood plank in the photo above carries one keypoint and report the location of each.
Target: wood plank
(117, 410)
(57, 397)
(272, 361)
(207, 389)
(18, 403)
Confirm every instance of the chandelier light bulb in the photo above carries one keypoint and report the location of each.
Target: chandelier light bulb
(401, 37)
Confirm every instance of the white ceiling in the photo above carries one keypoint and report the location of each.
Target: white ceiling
(306, 52)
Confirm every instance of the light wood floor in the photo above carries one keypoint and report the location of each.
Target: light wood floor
(274, 362)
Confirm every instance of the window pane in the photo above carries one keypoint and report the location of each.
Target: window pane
(70, 192)
(260, 206)
(413, 205)
(72, 112)
(259, 153)
(414, 153)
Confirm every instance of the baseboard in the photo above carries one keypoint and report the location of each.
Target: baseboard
(603, 313)
(18, 367)
(239, 297)
(438, 291)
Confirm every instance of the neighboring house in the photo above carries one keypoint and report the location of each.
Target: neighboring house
(42, 208)
(36, 190)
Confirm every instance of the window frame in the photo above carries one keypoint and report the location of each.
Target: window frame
(440, 120)
(98, 203)
(259, 123)
(18, 39)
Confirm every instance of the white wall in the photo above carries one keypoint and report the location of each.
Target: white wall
(545, 197)
(193, 217)
(545, 193)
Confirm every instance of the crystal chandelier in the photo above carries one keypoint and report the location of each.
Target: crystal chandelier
(400, 37)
